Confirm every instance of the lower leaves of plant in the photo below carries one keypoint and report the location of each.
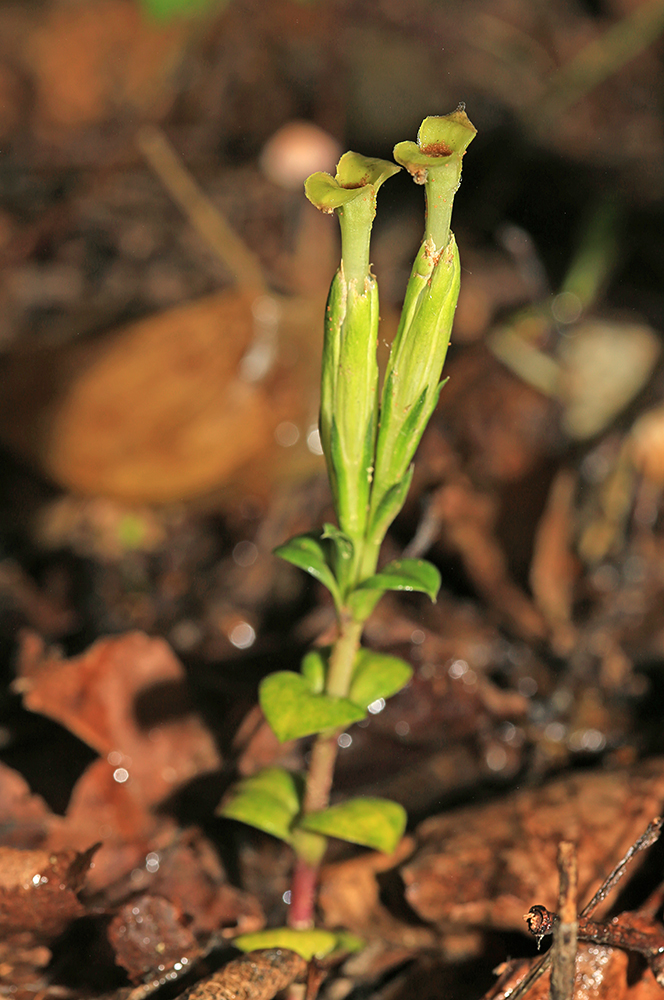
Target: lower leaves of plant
(314, 943)
(294, 710)
(369, 438)
(269, 800)
(376, 823)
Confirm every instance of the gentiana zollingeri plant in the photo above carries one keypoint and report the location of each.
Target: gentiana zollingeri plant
(369, 437)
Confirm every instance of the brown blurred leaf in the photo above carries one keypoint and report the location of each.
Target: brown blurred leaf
(191, 877)
(102, 807)
(22, 964)
(350, 897)
(149, 935)
(154, 411)
(49, 614)
(601, 974)
(485, 866)
(125, 697)
(171, 406)
(467, 521)
(501, 425)
(38, 890)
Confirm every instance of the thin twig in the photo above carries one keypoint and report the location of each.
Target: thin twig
(260, 975)
(205, 217)
(531, 977)
(647, 839)
(565, 929)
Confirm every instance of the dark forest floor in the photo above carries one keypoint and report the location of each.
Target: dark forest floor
(157, 420)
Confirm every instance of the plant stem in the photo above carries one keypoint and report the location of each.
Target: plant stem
(321, 772)
(304, 884)
(342, 657)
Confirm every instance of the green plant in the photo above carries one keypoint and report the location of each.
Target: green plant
(369, 438)
(166, 10)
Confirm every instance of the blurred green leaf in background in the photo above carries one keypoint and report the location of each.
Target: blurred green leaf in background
(163, 10)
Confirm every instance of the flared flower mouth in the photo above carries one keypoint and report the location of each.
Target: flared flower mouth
(355, 173)
(440, 137)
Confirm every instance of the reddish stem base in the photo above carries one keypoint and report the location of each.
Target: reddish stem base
(303, 895)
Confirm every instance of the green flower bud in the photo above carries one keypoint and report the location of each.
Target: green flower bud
(350, 372)
(412, 379)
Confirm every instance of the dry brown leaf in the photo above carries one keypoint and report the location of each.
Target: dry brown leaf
(125, 697)
(22, 964)
(119, 816)
(502, 425)
(49, 615)
(601, 974)
(349, 897)
(162, 410)
(191, 877)
(149, 935)
(486, 866)
(154, 411)
(467, 520)
(646, 445)
(38, 891)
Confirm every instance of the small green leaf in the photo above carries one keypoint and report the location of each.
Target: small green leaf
(343, 549)
(260, 810)
(376, 823)
(361, 603)
(307, 552)
(314, 668)
(405, 574)
(269, 801)
(389, 505)
(283, 785)
(342, 543)
(377, 676)
(309, 944)
(293, 710)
